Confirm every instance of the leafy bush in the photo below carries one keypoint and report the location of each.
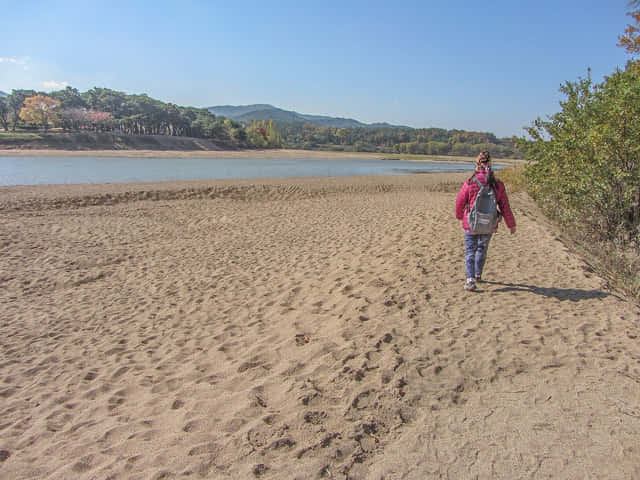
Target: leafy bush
(584, 169)
(586, 159)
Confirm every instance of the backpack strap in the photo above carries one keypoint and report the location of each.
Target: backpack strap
(475, 179)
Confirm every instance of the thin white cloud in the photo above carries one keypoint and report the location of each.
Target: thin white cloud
(24, 61)
(53, 85)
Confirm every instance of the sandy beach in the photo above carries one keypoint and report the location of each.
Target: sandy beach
(303, 328)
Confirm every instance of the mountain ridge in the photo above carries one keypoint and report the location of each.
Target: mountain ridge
(262, 111)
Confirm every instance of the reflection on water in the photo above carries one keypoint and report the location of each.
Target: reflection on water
(58, 170)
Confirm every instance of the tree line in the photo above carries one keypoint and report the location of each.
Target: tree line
(425, 141)
(106, 110)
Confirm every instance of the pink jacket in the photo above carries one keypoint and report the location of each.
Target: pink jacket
(467, 195)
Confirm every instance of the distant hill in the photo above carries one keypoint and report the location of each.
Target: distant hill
(259, 112)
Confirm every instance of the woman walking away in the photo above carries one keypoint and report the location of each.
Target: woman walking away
(476, 240)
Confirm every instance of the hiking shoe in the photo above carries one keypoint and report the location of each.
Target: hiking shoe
(470, 284)
(478, 280)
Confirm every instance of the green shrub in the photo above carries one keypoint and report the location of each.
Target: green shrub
(586, 159)
(584, 170)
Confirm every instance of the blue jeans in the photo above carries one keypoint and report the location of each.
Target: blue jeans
(475, 253)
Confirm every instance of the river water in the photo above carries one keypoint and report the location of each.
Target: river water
(71, 170)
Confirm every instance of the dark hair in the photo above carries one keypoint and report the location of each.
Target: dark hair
(484, 156)
(492, 179)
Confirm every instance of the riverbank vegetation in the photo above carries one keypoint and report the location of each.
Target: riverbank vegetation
(584, 168)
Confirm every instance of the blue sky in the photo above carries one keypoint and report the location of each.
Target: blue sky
(492, 66)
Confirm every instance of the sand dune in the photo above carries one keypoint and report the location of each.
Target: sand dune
(309, 328)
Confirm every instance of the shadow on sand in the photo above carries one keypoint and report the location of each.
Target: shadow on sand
(572, 294)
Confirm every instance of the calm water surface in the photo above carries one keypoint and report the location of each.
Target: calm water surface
(66, 170)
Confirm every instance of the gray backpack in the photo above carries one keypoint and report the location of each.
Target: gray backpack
(483, 216)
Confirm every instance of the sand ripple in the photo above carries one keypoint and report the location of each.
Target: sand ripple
(302, 329)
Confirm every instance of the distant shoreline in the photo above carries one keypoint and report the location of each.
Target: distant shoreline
(270, 153)
(275, 153)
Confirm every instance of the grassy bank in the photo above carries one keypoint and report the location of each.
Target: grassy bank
(100, 141)
(16, 137)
